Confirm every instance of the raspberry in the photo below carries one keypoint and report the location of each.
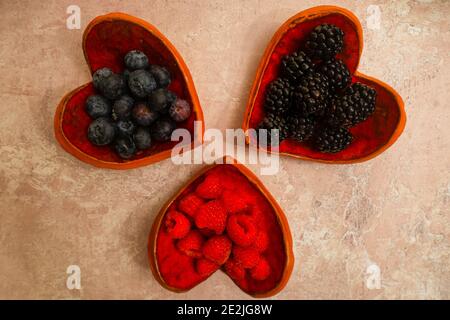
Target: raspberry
(191, 245)
(211, 215)
(241, 229)
(261, 242)
(246, 257)
(206, 267)
(261, 271)
(177, 225)
(189, 204)
(217, 249)
(233, 202)
(210, 188)
(234, 270)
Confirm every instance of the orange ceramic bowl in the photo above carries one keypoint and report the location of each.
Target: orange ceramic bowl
(106, 40)
(372, 136)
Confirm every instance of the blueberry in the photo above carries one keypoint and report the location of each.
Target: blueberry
(121, 109)
(125, 127)
(126, 75)
(141, 83)
(161, 75)
(113, 86)
(143, 115)
(142, 138)
(101, 132)
(162, 129)
(97, 106)
(161, 99)
(99, 76)
(180, 110)
(135, 60)
(125, 147)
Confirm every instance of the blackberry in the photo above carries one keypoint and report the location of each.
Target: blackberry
(325, 41)
(332, 139)
(101, 132)
(99, 76)
(278, 97)
(143, 115)
(311, 94)
(161, 100)
(97, 106)
(113, 86)
(162, 129)
(125, 127)
(121, 109)
(142, 138)
(354, 106)
(180, 110)
(135, 60)
(141, 83)
(295, 66)
(161, 75)
(337, 73)
(125, 147)
(300, 128)
(270, 122)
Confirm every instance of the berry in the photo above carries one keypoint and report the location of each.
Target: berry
(278, 97)
(205, 267)
(261, 271)
(269, 123)
(311, 94)
(125, 127)
(191, 244)
(142, 138)
(233, 202)
(210, 188)
(354, 106)
(162, 129)
(141, 83)
(161, 75)
(136, 59)
(180, 110)
(122, 107)
(126, 75)
(325, 41)
(261, 241)
(143, 115)
(189, 204)
(125, 147)
(246, 257)
(101, 132)
(161, 100)
(113, 86)
(337, 73)
(177, 225)
(217, 249)
(300, 128)
(332, 139)
(99, 76)
(97, 106)
(234, 270)
(242, 229)
(212, 216)
(295, 66)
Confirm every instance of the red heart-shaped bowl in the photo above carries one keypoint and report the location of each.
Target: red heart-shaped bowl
(179, 272)
(106, 40)
(372, 136)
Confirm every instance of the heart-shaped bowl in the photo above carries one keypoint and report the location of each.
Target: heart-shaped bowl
(179, 272)
(106, 40)
(372, 136)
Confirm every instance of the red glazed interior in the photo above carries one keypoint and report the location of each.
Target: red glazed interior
(368, 135)
(105, 46)
(178, 270)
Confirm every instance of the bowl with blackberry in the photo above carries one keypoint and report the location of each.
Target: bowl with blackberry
(308, 99)
(141, 91)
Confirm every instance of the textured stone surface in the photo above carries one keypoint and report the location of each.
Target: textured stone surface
(55, 211)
